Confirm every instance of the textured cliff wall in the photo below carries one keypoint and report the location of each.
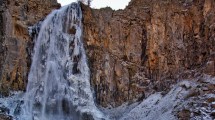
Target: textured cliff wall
(132, 53)
(148, 47)
(15, 43)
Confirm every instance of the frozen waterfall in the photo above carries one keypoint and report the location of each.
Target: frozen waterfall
(58, 83)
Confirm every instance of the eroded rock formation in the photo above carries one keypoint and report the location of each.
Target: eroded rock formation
(15, 43)
(148, 47)
(133, 53)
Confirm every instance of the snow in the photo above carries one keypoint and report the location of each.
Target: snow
(158, 107)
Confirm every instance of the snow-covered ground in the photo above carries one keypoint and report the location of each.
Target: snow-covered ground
(191, 96)
(189, 99)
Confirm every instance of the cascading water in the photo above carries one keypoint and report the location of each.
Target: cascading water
(58, 84)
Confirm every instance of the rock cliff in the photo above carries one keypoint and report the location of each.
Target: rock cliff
(15, 42)
(148, 47)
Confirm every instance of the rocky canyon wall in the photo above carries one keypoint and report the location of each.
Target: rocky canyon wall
(132, 53)
(148, 47)
(15, 43)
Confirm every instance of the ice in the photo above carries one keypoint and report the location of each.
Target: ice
(58, 83)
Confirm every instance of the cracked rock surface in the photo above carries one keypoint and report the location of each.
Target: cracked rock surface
(148, 47)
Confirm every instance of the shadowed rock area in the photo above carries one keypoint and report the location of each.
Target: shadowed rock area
(15, 43)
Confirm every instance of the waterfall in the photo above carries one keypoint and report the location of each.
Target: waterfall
(58, 83)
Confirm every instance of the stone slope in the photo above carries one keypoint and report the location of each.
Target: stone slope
(188, 100)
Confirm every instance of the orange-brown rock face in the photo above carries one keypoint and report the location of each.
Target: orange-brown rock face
(16, 17)
(148, 47)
